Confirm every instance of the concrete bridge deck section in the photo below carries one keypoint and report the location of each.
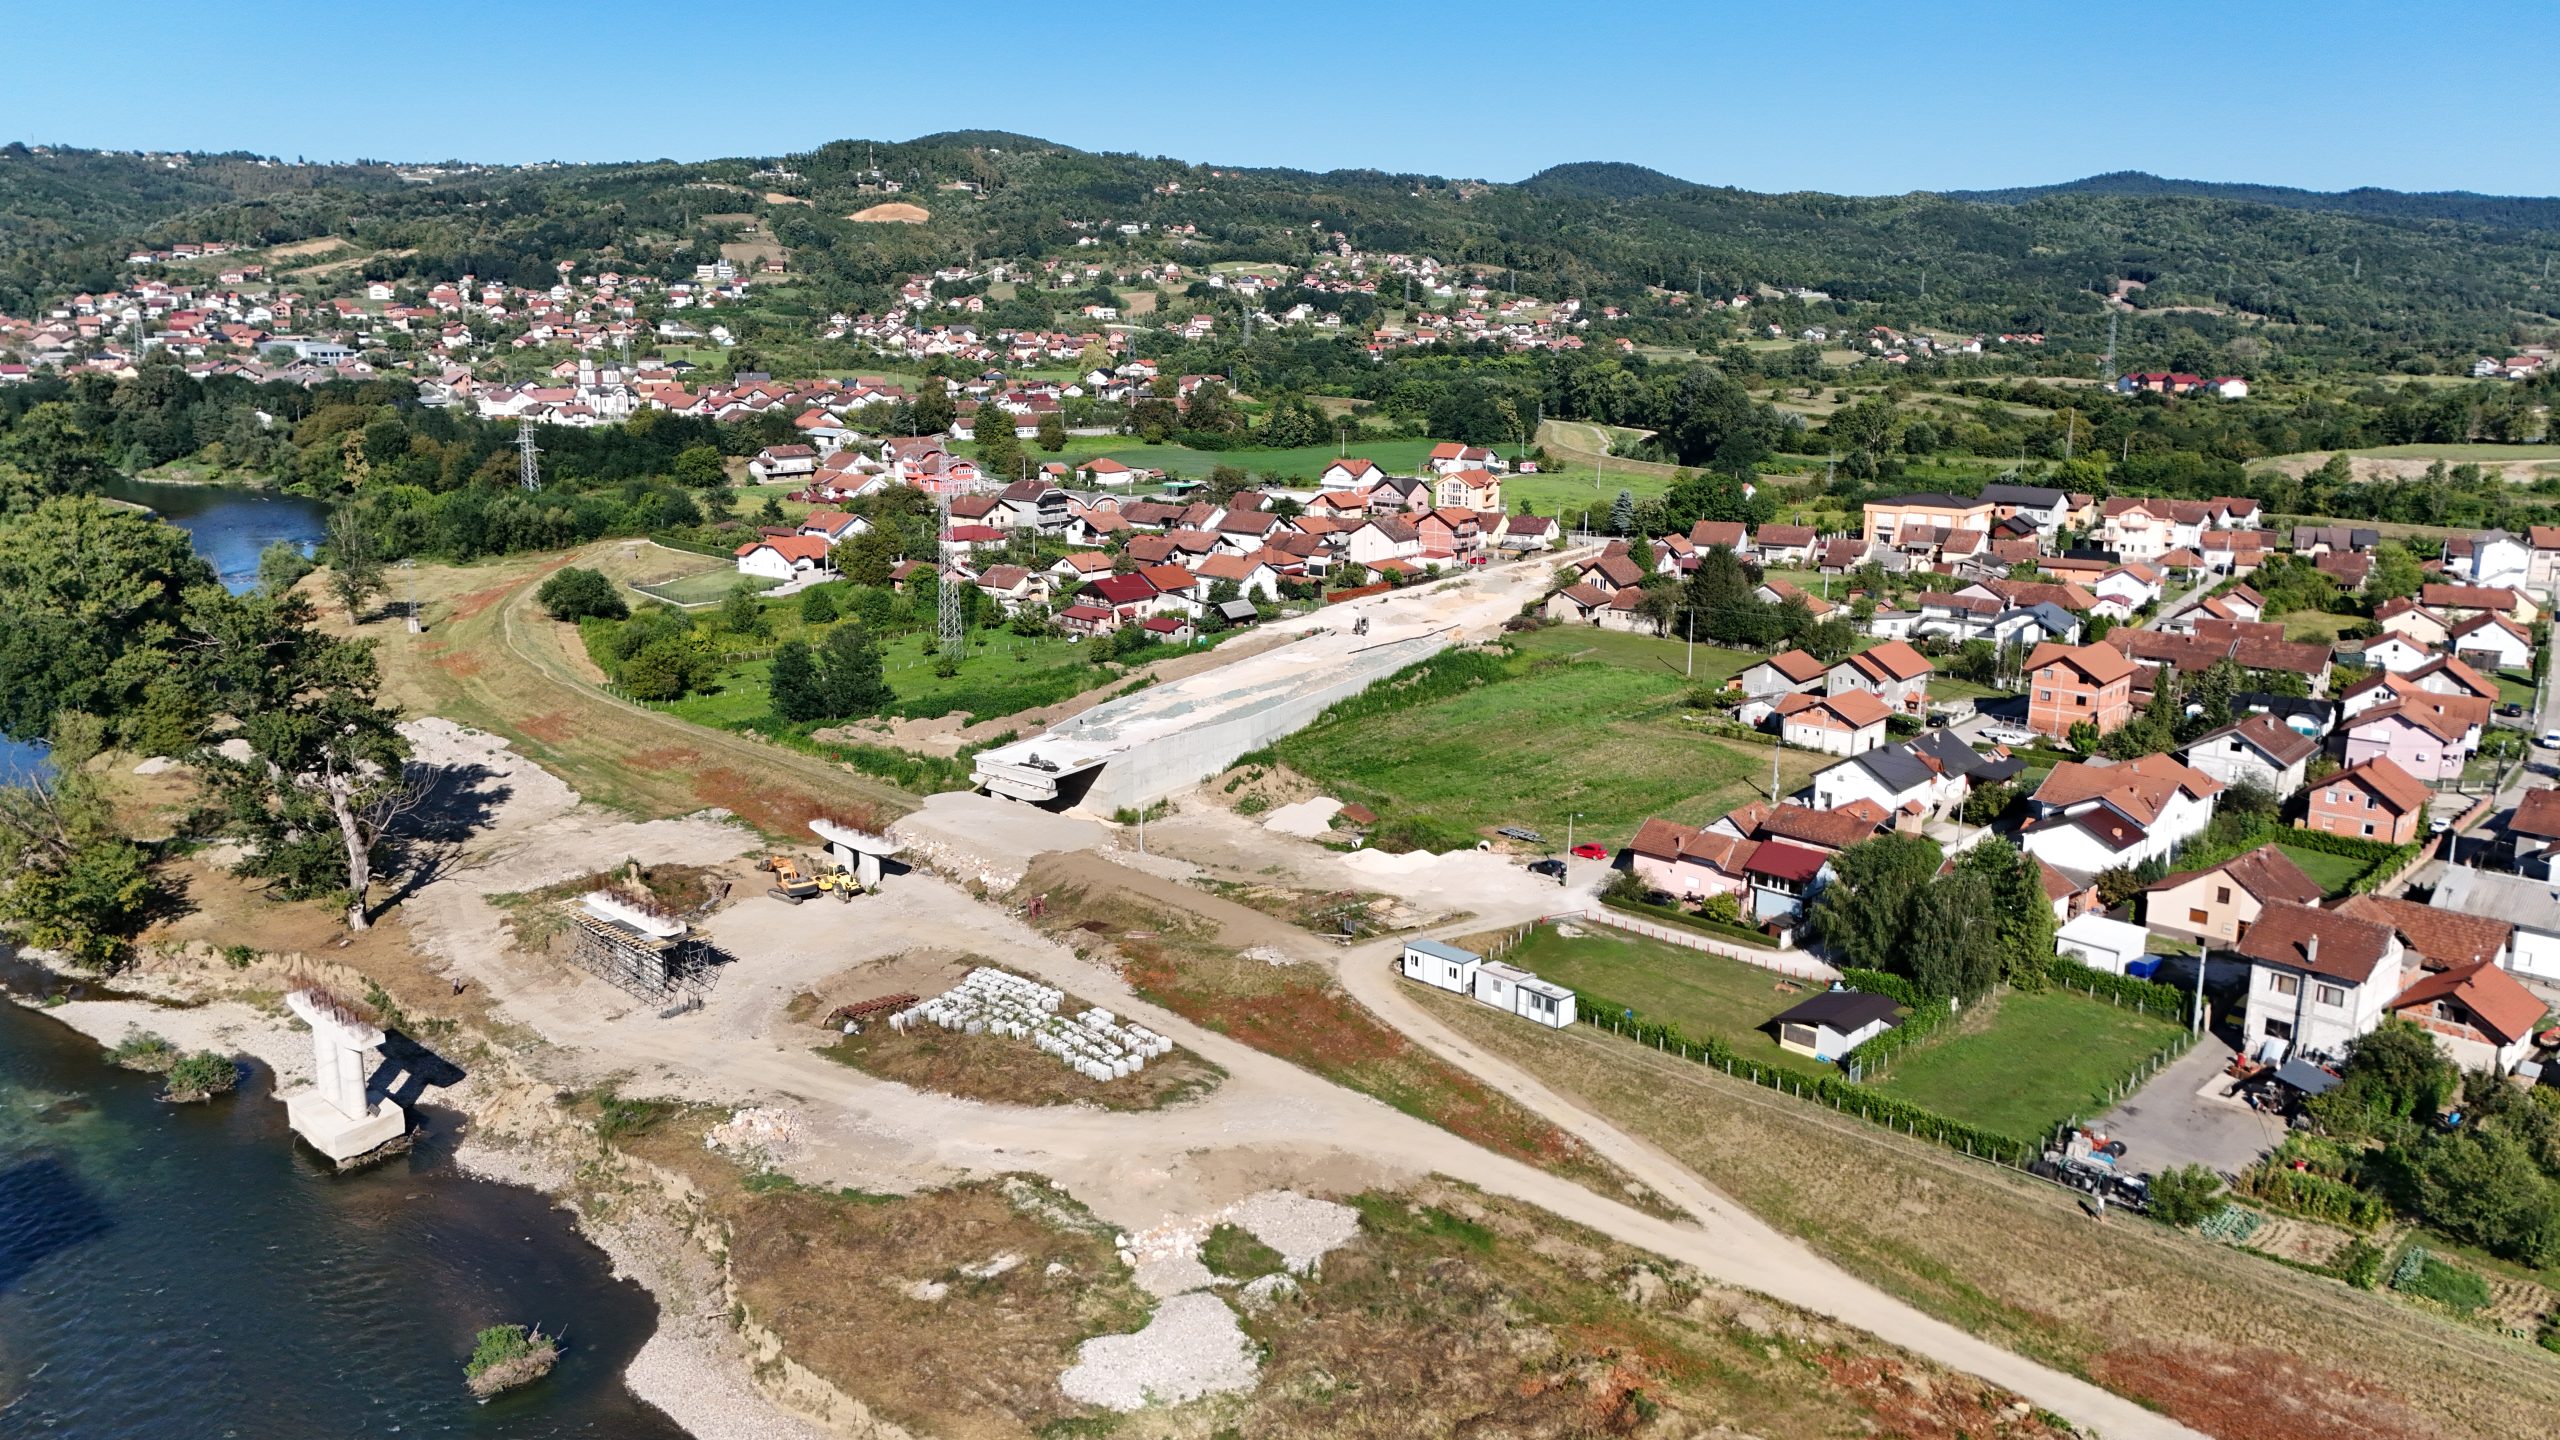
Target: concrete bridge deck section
(1130, 752)
(1138, 749)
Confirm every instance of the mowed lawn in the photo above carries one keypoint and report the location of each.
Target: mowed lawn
(1703, 665)
(2332, 873)
(1706, 997)
(2043, 1058)
(705, 587)
(1603, 741)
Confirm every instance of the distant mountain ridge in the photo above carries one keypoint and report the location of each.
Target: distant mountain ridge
(2527, 212)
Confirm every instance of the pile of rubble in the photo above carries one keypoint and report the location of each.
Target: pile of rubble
(1093, 1043)
(756, 1133)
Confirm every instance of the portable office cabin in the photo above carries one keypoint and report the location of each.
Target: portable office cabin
(1544, 1003)
(1445, 966)
(1834, 1023)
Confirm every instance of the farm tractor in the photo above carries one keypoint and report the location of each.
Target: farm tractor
(793, 884)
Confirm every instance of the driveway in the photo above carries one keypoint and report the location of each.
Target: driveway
(2180, 1118)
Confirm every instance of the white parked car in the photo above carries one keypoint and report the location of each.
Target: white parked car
(2008, 735)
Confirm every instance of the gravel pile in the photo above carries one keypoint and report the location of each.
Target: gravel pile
(1303, 1229)
(1193, 1347)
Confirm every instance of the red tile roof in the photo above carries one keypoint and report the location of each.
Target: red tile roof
(2399, 791)
(2496, 1000)
(2439, 938)
(2322, 942)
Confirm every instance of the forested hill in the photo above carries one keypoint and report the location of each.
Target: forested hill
(2383, 288)
(2520, 212)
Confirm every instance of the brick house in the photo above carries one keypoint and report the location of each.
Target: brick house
(2071, 684)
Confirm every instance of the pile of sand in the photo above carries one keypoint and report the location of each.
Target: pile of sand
(895, 211)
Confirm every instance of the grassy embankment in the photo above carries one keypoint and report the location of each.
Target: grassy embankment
(490, 658)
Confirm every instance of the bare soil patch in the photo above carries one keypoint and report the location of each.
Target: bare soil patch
(893, 212)
(2258, 1392)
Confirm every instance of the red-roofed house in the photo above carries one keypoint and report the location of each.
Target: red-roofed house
(784, 557)
(1893, 672)
(1849, 723)
(2318, 980)
(2481, 1016)
(1783, 879)
(1687, 862)
(2070, 685)
(2376, 800)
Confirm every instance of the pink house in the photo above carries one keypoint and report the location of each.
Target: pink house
(1691, 864)
(2426, 739)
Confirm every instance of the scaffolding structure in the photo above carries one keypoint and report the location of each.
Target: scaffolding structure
(651, 967)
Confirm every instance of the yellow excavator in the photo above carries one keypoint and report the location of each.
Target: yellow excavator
(793, 884)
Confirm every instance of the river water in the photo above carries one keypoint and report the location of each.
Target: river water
(181, 1271)
(174, 1272)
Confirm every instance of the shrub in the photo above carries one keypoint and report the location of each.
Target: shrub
(2186, 1195)
(143, 1050)
(2359, 1263)
(202, 1076)
(577, 593)
(505, 1356)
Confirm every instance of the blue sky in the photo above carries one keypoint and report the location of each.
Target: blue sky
(1842, 96)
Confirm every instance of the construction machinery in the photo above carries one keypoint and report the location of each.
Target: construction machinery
(793, 884)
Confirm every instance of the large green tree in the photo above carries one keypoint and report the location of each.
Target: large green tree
(1864, 914)
(306, 765)
(90, 599)
(70, 879)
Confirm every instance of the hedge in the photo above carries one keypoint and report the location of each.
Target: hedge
(1840, 1094)
(2166, 1002)
(1928, 1014)
(1666, 915)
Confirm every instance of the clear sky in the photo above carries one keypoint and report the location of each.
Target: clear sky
(1838, 95)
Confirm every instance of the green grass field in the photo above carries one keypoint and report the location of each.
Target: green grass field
(1704, 996)
(2043, 1058)
(2514, 689)
(1653, 655)
(1603, 741)
(2318, 625)
(2333, 873)
(1947, 687)
(1003, 674)
(705, 587)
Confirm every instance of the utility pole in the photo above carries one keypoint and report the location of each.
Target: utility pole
(409, 567)
(1777, 749)
(1692, 672)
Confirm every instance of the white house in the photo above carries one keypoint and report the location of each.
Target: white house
(2492, 642)
(2317, 981)
(784, 557)
(1384, 537)
(2480, 1016)
(2396, 654)
(2101, 943)
(2260, 749)
(2092, 817)
(783, 462)
(1850, 723)
(1349, 475)
(2491, 558)
(1444, 966)
(1833, 1023)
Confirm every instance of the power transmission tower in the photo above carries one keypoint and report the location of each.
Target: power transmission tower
(528, 466)
(949, 621)
(2107, 367)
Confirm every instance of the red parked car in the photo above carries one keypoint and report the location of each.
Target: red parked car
(1591, 852)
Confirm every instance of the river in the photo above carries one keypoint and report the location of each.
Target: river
(184, 1271)
(175, 1272)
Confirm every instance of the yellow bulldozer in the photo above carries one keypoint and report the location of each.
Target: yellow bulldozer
(793, 884)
